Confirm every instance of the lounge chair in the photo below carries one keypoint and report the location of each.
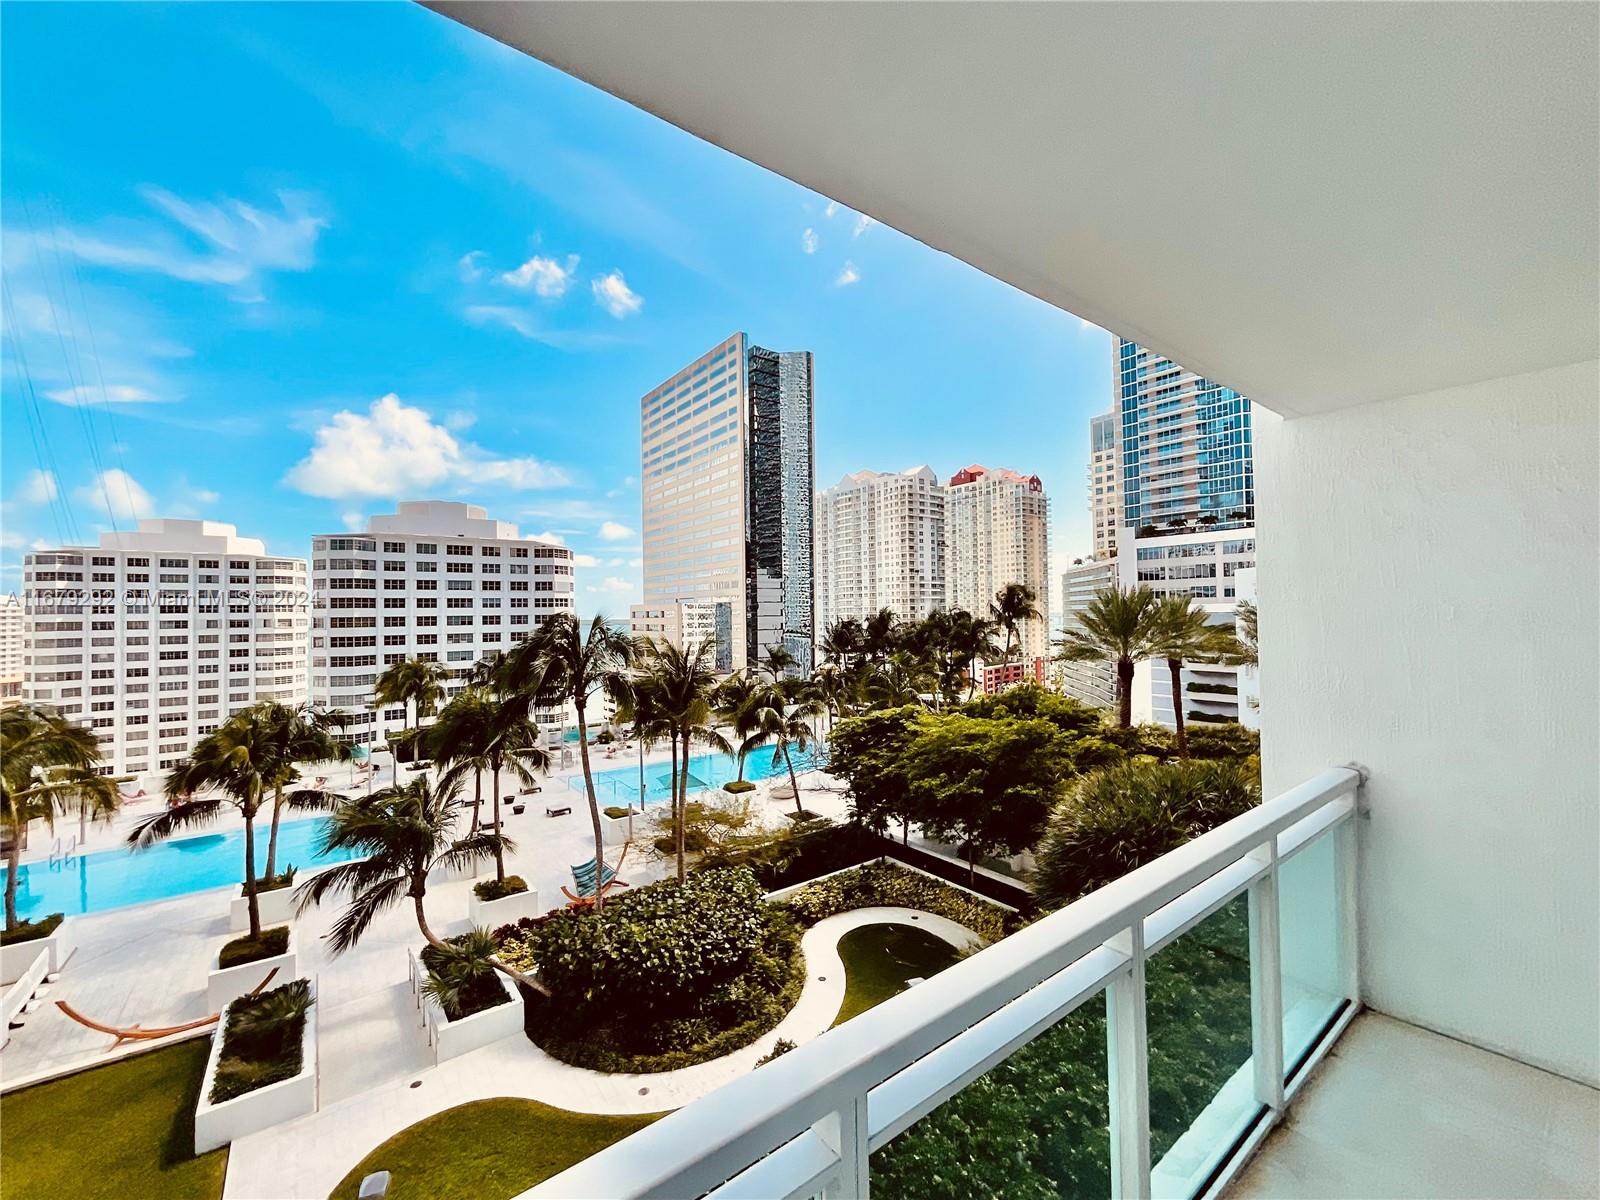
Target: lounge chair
(583, 876)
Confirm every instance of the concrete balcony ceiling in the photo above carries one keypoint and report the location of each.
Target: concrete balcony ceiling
(1318, 205)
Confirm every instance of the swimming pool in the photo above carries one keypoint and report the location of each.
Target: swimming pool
(108, 879)
(620, 785)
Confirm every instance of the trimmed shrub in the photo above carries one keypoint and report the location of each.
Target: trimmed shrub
(1196, 715)
(1123, 817)
(779, 1048)
(247, 949)
(881, 884)
(615, 811)
(499, 889)
(1223, 742)
(461, 978)
(1149, 739)
(737, 787)
(1221, 689)
(28, 931)
(276, 883)
(262, 1041)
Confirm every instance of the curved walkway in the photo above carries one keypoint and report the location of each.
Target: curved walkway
(306, 1158)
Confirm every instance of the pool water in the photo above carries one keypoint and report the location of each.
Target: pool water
(106, 879)
(620, 785)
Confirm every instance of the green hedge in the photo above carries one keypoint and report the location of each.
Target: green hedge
(246, 949)
(28, 931)
(262, 1042)
(1195, 714)
(1221, 689)
(497, 889)
(882, 884)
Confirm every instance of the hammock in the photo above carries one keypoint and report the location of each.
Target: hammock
(135, 1033)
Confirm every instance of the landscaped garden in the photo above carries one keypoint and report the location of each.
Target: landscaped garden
(487, 1150)
(112, 1133)
(881, 960)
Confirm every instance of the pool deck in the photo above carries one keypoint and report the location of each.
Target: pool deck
(147, 965)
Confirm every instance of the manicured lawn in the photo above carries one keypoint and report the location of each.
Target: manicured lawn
(487, 1150)
(113, 1133)
(879, 959)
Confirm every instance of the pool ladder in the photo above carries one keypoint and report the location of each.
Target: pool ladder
(62, 856)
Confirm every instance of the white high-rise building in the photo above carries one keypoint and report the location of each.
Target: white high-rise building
(727, 488)
(1092, 682)
(155, 637)
(997, 532)
(689, 624)
(11, 649)
(1105, 482)
(436, 580)
(880, 544)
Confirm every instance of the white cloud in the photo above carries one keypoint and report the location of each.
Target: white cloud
(613, 294)
(611, 531)
(393, 450)
(636, 562)
(352, 520)
(545, 276)
(863, 223)
(833, 207)
(242, 242)
(585, 560)
(613, 584)
(38, 487)
(116, 393)
(848, 275)
(468, 266)
(550, 535)
(116, 493)
(527, 324)
(10, 539)
(808, 241)
(459, 420)
(1085, 323)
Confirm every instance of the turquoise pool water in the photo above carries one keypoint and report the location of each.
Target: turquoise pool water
(620, 785)
(118, 878)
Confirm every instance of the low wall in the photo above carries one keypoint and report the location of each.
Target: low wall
(21, 989)
(218, 1124)
(18, 956)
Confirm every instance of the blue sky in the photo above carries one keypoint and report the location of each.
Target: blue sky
(281, 265)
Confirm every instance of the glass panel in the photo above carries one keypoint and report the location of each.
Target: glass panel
(1202, 1090)
(1034, 1127)
(1308, 907)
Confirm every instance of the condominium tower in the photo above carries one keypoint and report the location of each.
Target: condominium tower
(727, 480)
(997, 532)
(880, 544)
(1093, 682)
(435, 580)
(11, 644)
(156, 636)
(1105, 481)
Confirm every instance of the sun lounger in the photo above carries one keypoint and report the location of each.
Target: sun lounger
(557, 810)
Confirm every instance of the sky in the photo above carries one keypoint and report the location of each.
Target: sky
(282, 265)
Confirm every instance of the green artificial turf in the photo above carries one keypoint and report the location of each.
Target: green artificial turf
(115, 1132)
(487, 1150)
(879, 959)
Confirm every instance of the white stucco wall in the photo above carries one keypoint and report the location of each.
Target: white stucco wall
(1428, 608)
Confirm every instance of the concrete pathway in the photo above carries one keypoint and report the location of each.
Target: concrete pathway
(306, 1158)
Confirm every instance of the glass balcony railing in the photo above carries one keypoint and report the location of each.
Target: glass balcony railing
(1137, 1043)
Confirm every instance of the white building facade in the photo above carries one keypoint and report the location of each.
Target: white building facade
(880, 544)
(11, 649)
(435, 580)
(688, 625)
(1092, 682)
(1105, 482)
(156, 636)
(997, 532)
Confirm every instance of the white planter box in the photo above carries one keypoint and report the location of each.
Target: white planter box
(18, 957)
(444, 874)
(218, 1124)
(491, 914)
(616, 830)
(225, 986)
(276, 908)
(451, 1039)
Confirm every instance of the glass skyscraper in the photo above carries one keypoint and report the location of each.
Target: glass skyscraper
(1186, 448)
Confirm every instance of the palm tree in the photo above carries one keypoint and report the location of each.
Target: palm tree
(971, 638)
(413, 683)
(481, 731)
(903, 679)
(679, 684)
(782, 718)
(1247, 651)
(243, 761)
(732, 702)
(47, 765)
(842, 641)
(304, 733)
(832, 684)
(777, 661)
(1117, 627)
(400, 833)
(1181, 631)
(1014, 604)
(560, 664)
(880, 635)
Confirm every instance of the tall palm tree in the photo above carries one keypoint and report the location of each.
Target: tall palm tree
(842, 641)
(399, 834)
(479, 731)
(1013, 605)
(880, 635)
(778, 661)
(972, 638)
(1118, 627)
(413, 683)
(302, 733)
(561, 664)
(782, 719)
(679, 683)
(903, 679)
(1181, 631)
(47, 765)
(243, 761)
(733, 706)
(832, 683)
